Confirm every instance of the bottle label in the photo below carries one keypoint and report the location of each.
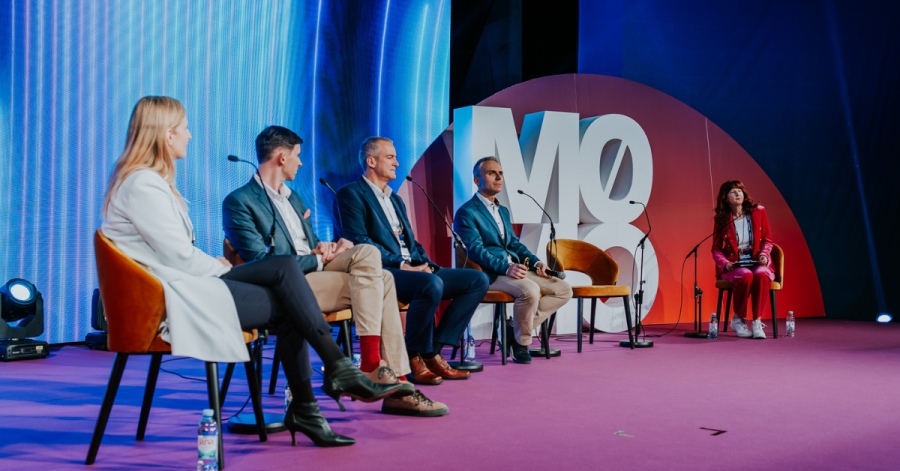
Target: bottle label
(207, 446)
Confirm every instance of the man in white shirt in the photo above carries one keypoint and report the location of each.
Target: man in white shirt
(342, 275)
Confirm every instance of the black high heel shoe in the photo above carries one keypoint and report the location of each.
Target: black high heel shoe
(306, 418)
(344, 379)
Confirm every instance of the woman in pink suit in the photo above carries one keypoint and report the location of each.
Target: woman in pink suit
(741, 249)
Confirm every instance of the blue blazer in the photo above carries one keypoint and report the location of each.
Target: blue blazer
(478, 230)
(247, 218)
(364, 222)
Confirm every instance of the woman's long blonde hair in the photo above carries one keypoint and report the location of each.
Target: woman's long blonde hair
(145, 145)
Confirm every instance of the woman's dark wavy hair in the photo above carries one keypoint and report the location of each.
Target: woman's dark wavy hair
(723, 210)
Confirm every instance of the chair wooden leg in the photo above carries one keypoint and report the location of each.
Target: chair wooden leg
(212, 388)
(115, 377)
(226, 382)
(504, 335)
(719, 312)
(593, 316)
(774, 314)
(256, 399)
(578, 328)
(273, 379)
(728, 307)
(152, 375)
(545, 337)
(631, 336)
(348, 339)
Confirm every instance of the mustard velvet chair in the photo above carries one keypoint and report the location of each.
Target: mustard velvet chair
(777, 284)
(135, 305)
(341, 318)
(579, 256)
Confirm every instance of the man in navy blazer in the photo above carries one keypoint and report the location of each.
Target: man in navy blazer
(342, 275)
(485, 228)
(373, 214)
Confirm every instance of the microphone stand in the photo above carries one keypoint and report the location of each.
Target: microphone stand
(639, 296)
(340, 219)
(553, 352)
(462, 364)
(270, 245)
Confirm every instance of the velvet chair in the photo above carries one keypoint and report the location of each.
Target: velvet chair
(576, 255)
(341, 318)
(726, 286)
(135, 305)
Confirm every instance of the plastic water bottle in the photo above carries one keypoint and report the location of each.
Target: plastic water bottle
(357, 360)
(713, 326)
(790, 324)
(208, 442)
(470, 345)
(288, 397)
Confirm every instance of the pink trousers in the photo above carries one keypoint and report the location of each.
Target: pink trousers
(750, 284)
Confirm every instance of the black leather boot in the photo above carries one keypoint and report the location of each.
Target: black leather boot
(344, 379)
(306, 418)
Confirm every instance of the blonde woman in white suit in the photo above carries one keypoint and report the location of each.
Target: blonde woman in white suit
(208, 302)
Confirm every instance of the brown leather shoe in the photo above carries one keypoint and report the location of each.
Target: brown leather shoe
(416, 405)
(421, 374)
(439, 366)
(385, 375)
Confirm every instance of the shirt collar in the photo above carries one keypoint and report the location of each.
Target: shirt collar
(284, 192)
(490, 204)
(386, 193)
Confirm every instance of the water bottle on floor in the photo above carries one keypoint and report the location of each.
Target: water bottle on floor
(357, 360)
(790, 324)
(288, 397)
(470, 345)
(713, 326)
(208, 442)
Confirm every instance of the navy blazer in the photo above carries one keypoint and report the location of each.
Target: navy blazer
(478, 230)
(364, 222)
(247, 219)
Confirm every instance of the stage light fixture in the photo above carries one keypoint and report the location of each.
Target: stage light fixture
(884, 318)
(22, 313)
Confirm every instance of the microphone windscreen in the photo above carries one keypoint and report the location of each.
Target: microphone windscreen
(322, 181)
(409, 178)
(561, 275)
(632, 202)
(233, 158)
(521, 192)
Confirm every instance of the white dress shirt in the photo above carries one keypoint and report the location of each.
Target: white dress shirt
(384, 199)
(494, 209)
(291, 219)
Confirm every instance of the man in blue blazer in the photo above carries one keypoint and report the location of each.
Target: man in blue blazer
(485, 228)
(342, 275)
(373, 214)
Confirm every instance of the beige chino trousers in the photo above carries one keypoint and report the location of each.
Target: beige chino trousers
(355, 280)
(530, 309)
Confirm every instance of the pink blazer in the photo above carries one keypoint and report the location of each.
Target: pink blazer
(724, 247)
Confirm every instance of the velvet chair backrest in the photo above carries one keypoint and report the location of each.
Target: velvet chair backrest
(231, 254)
(575, 255)
(133, 299)
(778, 264)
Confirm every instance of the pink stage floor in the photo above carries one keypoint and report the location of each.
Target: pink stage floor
(827, 399)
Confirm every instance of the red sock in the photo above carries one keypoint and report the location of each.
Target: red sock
(369, 352)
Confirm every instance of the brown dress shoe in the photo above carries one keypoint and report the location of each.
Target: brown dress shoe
(416, 405)
(439, 366)
(421, 374)
(385, 375)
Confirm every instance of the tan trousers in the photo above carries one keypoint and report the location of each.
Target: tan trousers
(530, 309)
(354, 279)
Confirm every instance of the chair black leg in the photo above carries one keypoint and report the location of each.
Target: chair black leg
(504, 335)
(227, 382)
(152, 374)
(719, 313)
(774, 314)
(545, 337)
(276, 359)
(115, 377)
(258, 345)
(256, 398)
(578, 328)
(593, 316)
(348, 340)
(628, 322)
(728, 307)
(212, 388)
(494, 331)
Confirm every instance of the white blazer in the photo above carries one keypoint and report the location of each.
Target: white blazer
(146, 222)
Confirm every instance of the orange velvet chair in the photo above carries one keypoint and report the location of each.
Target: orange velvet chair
(777, 284)
(134, 302)
(576, 255)
(341, 318)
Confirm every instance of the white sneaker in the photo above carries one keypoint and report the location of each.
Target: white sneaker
(758, 332)
(738, 325)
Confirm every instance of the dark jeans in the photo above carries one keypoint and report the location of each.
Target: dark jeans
(274, 291)
(424, 292)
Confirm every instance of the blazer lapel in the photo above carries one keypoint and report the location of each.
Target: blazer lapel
(369, 195)
(490, 218)
(264, 200)
(300, 208)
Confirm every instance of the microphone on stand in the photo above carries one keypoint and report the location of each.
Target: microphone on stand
(552, 227)
(270, 245)
(559, 274)
(639, 296)
(456, 238)
(340, 219)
